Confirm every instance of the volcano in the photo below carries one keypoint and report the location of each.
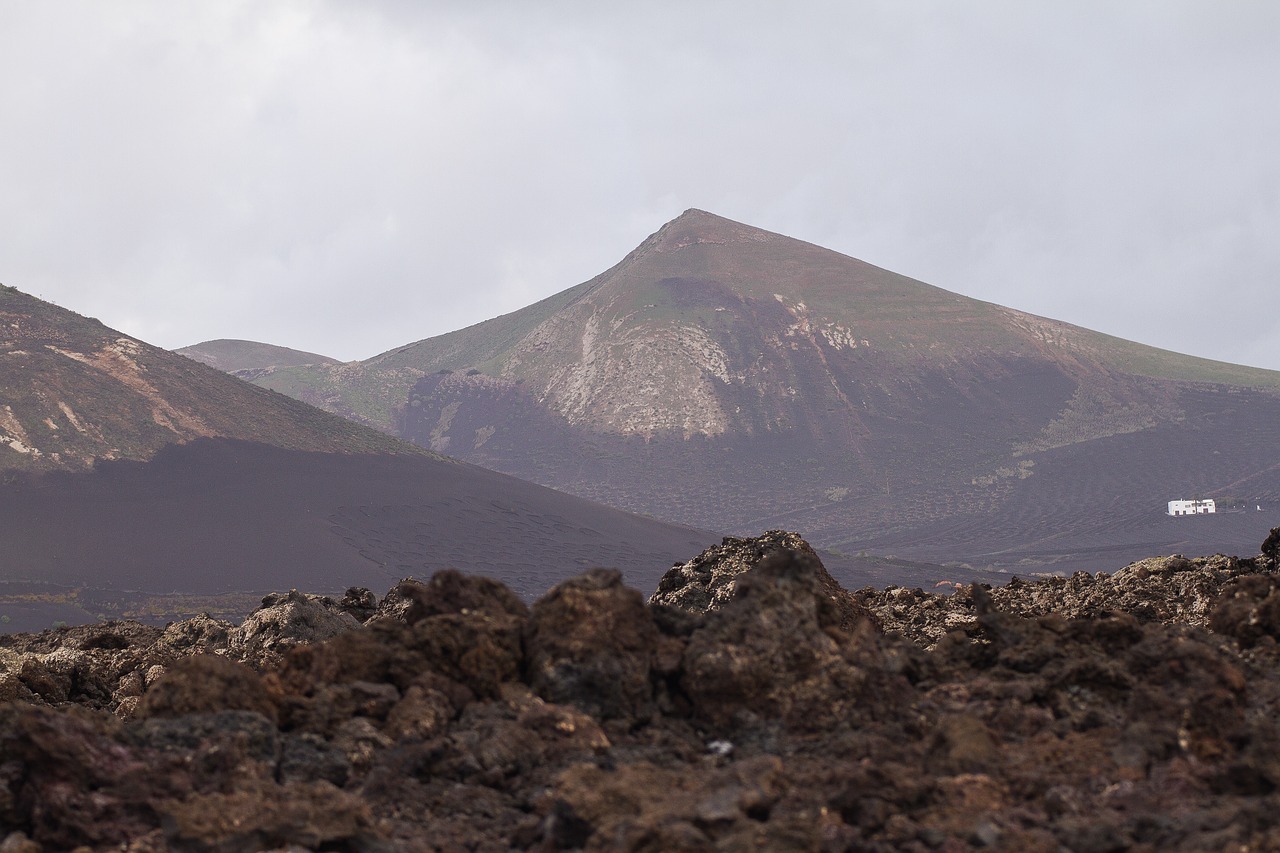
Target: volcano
(737, 379)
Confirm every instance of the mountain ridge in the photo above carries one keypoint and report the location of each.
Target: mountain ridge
(76, 392)
(738, 379)
(906, 327)
(135, 479)
(238, 357)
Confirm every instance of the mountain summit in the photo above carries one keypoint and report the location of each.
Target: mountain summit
(707, 308)
(740, 379)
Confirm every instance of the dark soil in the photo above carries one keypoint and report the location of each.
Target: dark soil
(929, 463)
(1126, 712)
(216, 516)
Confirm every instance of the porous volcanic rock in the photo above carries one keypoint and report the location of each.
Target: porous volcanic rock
(779, 651)
(285, 621)
(592, 643)
(110, 665)
(1170, 590)
(709, 580)
(1042, 720)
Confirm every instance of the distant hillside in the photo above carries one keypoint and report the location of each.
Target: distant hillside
(134, 481)
(738, 379)
(215, 518)
(73, 392)
(239, 357)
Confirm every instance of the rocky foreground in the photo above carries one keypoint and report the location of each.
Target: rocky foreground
(752, 704)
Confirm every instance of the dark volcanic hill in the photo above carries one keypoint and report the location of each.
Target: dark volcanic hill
(213, 524)
(738, 379)
(136, 481)
(250, 357)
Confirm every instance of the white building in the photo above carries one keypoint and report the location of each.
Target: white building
(1192, 507)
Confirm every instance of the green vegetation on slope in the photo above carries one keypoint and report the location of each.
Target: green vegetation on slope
(904, 321)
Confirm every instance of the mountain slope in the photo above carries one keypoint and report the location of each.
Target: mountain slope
(237, 356)
(136, 481)
(73, 392)
(215, 518)
(738, 379)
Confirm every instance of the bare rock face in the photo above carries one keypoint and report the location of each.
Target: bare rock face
(709, 580)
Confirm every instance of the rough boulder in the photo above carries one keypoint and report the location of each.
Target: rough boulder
(709, 581)
(1090, 713)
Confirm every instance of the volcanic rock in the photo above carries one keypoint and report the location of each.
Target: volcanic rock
(285, 621)
(206, 683)
(778, 650)
(709, 580)
(1168, 590)
(592, 643)
(1042, 719)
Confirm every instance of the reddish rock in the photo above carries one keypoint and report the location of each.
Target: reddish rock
(206, 683)
(777, 652)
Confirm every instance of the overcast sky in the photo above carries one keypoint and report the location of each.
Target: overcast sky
(346, 177)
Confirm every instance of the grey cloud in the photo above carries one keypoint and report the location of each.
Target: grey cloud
(345, 178)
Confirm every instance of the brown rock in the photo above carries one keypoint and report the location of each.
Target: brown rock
(967, 744)
(1249, 609)
(1091, 712)
(70, 781)
(18, 842)
(776, 652)
(452, 592)
(286, 621)
(1271, 549)
(707, 582)
(644, 807)
(207, 683)
(467, 629)
(422, 714)
(591, 643)
(263, 816)
(199, 635)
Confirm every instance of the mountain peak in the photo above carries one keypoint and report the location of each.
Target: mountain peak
(696, 215)
(696, 226)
